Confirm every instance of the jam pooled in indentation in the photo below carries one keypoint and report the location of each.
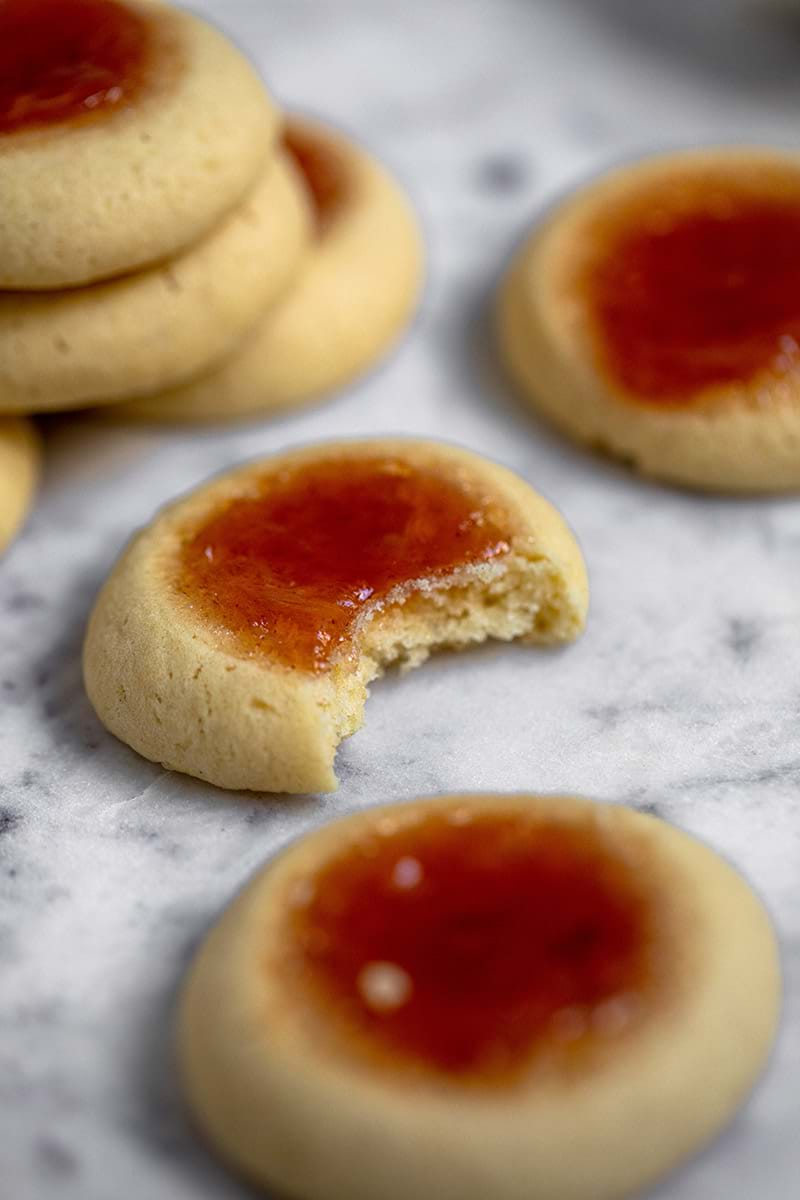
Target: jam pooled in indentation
(696, 285)
(323, 169)
(289, 568)
(64, 59)
(473, 944)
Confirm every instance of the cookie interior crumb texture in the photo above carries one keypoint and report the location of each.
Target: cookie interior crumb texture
(236, 642)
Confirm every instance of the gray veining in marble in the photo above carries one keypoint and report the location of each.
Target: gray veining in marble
(683, 698)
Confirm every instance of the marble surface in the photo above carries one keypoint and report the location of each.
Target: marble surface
(683, 697)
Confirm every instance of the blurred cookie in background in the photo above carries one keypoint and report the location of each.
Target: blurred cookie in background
(162, 325)
(655, 314)
(357, 291)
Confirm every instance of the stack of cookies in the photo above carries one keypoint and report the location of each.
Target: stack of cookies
(169, 245)
(347, 272)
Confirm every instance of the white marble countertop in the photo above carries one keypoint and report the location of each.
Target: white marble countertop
(684, 696)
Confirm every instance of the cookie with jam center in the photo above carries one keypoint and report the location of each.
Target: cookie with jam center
(237, 635)
(128, 129)
(654, 314)
(506, 996)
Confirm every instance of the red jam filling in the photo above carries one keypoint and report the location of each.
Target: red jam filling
(322, 168)
(63, 59)
(696, 286)
(288, 569)
(473, 943)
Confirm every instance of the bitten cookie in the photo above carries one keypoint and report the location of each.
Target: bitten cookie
(144, 331)
(356, 293)
(19, 471)
(236, 636)
(127, 130)
(655, 314)
(515, 997)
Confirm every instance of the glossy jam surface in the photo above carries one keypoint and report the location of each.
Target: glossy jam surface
(288, 569)
(323, 169)
(475, 943)
(66, 59)
(698, 285)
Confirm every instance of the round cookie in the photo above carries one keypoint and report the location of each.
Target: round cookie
(159, 326)
(546, 998)
(19, 471)
(655, 314)
(356, 294)
(235, 638)
(127, 131)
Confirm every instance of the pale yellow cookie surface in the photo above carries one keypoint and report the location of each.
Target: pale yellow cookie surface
(515, 997)
(165, 324)
(687, 365)
(357, 292)
(123, 187)
(186, 661)
(19, 471)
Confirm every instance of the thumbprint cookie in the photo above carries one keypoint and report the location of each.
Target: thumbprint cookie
(128, 129)
(516, 997)
(235, 638)
(655, 314)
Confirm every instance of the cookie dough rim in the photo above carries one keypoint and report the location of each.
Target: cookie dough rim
(21, 446)
(348, 247)
(167, 297)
